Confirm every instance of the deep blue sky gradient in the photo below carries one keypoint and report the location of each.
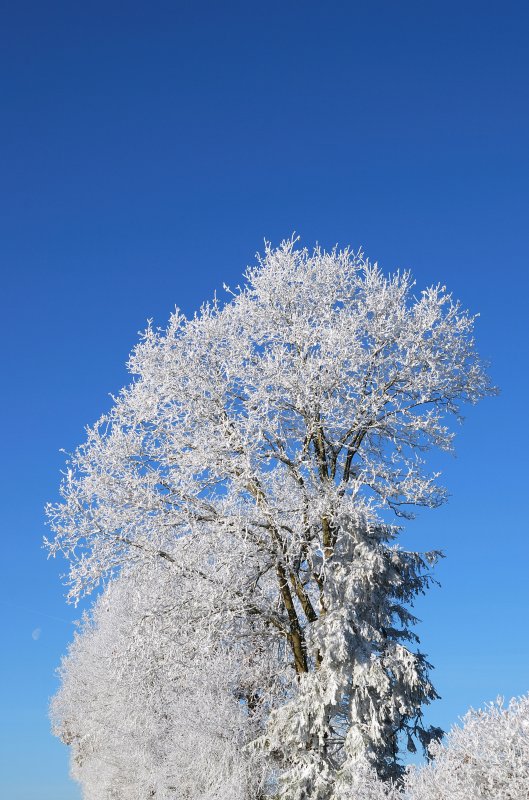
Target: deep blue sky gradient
(146, 149)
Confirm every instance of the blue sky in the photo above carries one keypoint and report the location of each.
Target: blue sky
(146, 149)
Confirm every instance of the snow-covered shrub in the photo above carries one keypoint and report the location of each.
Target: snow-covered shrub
(486, 757)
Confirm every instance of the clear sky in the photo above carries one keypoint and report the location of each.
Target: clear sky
(146, 149)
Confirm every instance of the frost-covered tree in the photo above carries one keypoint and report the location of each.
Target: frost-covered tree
(145, 712)
(259, 450)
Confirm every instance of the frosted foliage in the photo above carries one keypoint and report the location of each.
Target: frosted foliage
(144, 712)
(362, 783)
(258, 452)
(368, 685)
(486, 758)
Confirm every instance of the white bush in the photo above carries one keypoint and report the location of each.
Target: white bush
(487, 757)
